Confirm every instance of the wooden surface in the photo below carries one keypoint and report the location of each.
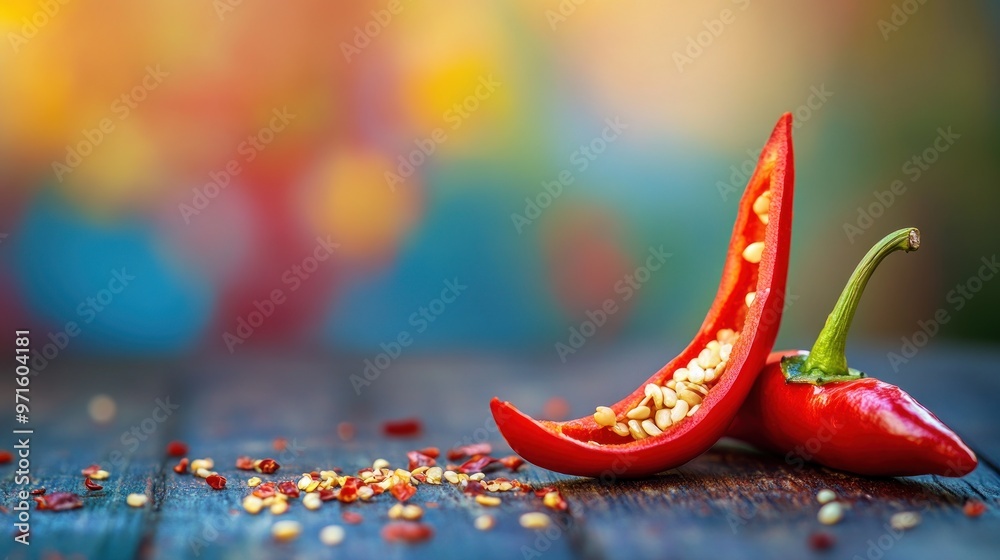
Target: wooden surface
(730, 503)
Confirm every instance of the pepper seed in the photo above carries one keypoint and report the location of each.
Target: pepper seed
(604, 416)
(754, 252)
(831, 513)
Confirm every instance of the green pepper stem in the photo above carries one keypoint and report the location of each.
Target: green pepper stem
(828, 353)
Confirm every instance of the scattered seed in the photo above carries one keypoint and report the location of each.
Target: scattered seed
(535, 520)
(604, 416)
(286, 530)
(101, 474)
(412, 512)
(831, 513)
(396, 511)
(904, 520)
(137, 500)
(754, 251)
(252, 504)
(279, 507)
(477, 476)
(490, 501)
(312, 501)
(253, 482)
(451, 476)
(304, 482)
(365, 493)
(203, 473)
(484, 522)
(826, 496)
(380, 464)
(332, 535)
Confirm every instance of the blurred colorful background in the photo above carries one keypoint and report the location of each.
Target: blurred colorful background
(182, 178)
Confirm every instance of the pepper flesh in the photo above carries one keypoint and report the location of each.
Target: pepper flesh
(811, 406)
(582, 447)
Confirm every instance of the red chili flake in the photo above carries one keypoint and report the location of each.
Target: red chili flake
(512, 462)
(5, 456)
(403, 491)
(91, 485)
(376, 489)
(280, 444)
(90, 470)
(352, 482)
(327, 494)
(406, 531)
(345, 430)
(268, 466)
(974, 508)
(59, 501)
(556, 408)
(541, 492)
(348, 495)
(420, 477)
(315, 475)
(289, 488)
(40, 491)
(218, 482)
(476, 464)
(469, 450)
(418, 459)
(264, 491)
(821, 541)
(431, 452)
(432, 505)
(244, 463)
(352, 517)
(472, 488)
(554, 500)
(182, 466)
(402, 428)
(177, 449)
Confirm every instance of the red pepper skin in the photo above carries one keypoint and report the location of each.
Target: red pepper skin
(565, 446)
(864, 426)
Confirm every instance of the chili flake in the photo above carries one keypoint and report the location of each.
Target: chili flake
(406, 531)
(974, 508)
(268, 466)
(216, 481)
(352, 517)
(403, 491)
(182, 466)
(244, 463)
(289, 488)
(59, 501)
(177, 449)
(402, 428)
(419, 459)
(40, 491)
(91, 485)
(469, 451)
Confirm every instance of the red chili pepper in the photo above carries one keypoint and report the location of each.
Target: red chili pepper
(582, 447)
(809, 406)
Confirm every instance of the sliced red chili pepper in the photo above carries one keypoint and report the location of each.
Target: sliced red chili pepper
(582, 447)
(177, 449)
(244, 463)
(352, 517)
(268, 466)
(289, 488)
(402, 491)
(40, 491)
(91, 485)
(218, 482)
(469, 451)
(866, 426)
(402, 428)
(406, 531)
(418, 459)
(59, 501)
(182, 466)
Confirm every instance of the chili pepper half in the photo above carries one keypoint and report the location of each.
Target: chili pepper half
(688, 404)
(811, 406)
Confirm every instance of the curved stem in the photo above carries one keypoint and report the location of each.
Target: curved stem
(828, 353)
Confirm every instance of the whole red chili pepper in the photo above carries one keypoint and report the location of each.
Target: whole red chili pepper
(749, 303)
(811, 406)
